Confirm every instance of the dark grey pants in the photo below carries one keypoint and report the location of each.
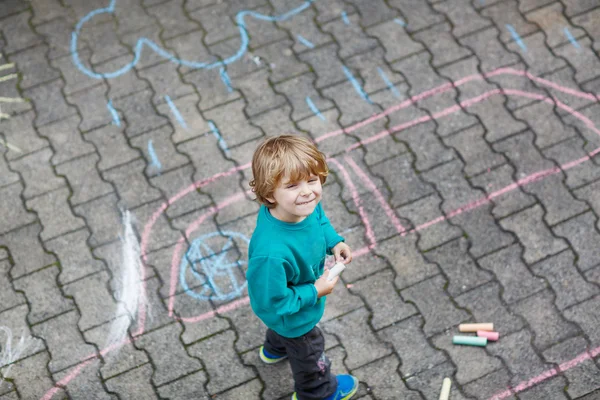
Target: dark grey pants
(310, 367)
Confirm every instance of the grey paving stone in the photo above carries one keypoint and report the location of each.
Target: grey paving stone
(132, 187)
(231, 124)
(553, 388)
(535, 236)
(463, 17)
(387, 385)
(507, 12)
(37, 173)
(586, 21)
(545, 124)
(353, 332)
(162, 234)
(410, 343)
(495, 383)
(578, 7)
(64, 341)
(581, 234)
(133, 384)
(32, 378)
(112, 146)
(350, 37)
(169, 357)
(193, 123)
(277, 379)
(50, 104)
(435, 305)
(426, 147)
(386, 308)
(329, 70)
(272, 122)
(139, 113)
(7, 177)
(216, 23)
(583, 376)
(553, 22)
(250, 329)
(54, 213)
(398, 44)
(19, 131)
(103, 218)
(76, 260)
(43, 295)
(164, 149)
(474, 150)
(565, 278)
(33, 66)
(488, 48)
(165, 81)
(568, 151)
(67, 142)
(519, 355)
(538, 57)
(444, 47)
(93, 300)
(93, 106)
(297, 89)
(460, 268)
(485, 304)
(513, 274)
(544, 319)
(25, 250)
(12, 7)
(84, 179)
(87, 384)
(280, 60)
(15, 214)
(426, 216)
(172, 18)
(586, 315)
(227, 371)
(416, 16)
(8, 297)
(190, 386)
(17, 32)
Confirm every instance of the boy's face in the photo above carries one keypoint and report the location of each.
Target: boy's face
(295, 201)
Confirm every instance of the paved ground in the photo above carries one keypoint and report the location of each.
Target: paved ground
(477, 201)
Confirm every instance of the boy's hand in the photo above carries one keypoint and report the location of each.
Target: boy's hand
(342, 253)
(324, 287)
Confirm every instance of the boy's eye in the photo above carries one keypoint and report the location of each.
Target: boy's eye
(291, 185)
(313, 180)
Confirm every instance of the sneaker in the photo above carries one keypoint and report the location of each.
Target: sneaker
(347, 387)
(269, 358)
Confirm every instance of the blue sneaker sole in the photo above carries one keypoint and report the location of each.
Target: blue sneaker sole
(268, 360)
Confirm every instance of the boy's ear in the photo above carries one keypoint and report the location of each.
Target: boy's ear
(270, 200)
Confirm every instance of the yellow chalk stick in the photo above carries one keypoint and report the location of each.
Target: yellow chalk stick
(476, 327)
(445, 393)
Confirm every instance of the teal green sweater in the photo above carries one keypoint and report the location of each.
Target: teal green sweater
(284, 261)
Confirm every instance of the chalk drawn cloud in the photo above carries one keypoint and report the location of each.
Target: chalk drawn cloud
(145, 42)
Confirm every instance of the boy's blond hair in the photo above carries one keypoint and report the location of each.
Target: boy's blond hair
(282, 156)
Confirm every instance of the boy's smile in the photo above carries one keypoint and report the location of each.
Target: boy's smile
(296, 200)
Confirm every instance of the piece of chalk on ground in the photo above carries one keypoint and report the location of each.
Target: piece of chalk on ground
(470, 340)
(446, 385)
(335, 271)
(491, 336)
(476, 327)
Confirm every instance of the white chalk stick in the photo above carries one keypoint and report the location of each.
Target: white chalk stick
(335, 271)
(446, 385)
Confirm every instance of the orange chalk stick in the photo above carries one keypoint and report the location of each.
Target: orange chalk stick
(476, 327)
(491, 336)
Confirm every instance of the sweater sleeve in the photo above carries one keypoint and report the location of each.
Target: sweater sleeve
(331, 236)
(269, 291)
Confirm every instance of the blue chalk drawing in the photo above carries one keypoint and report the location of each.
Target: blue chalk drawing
(305, 42)
(388, 82)
(399, 22)
(220, 140)
(155, 161)
(225, 79)
(516, 37)
(139, 46)
(176, 113)
(314, 108)
(571, 38)
(216, 275)
(345, 18)
(356, 85)
(114, 113)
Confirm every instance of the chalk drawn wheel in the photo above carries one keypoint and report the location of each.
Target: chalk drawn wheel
(212, 268)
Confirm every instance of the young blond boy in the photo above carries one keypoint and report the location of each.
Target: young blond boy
(287, 281)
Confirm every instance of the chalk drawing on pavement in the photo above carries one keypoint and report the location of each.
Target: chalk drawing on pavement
(9, 352)
(218, 275)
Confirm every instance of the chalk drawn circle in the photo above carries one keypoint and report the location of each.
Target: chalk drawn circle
(217, 276)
